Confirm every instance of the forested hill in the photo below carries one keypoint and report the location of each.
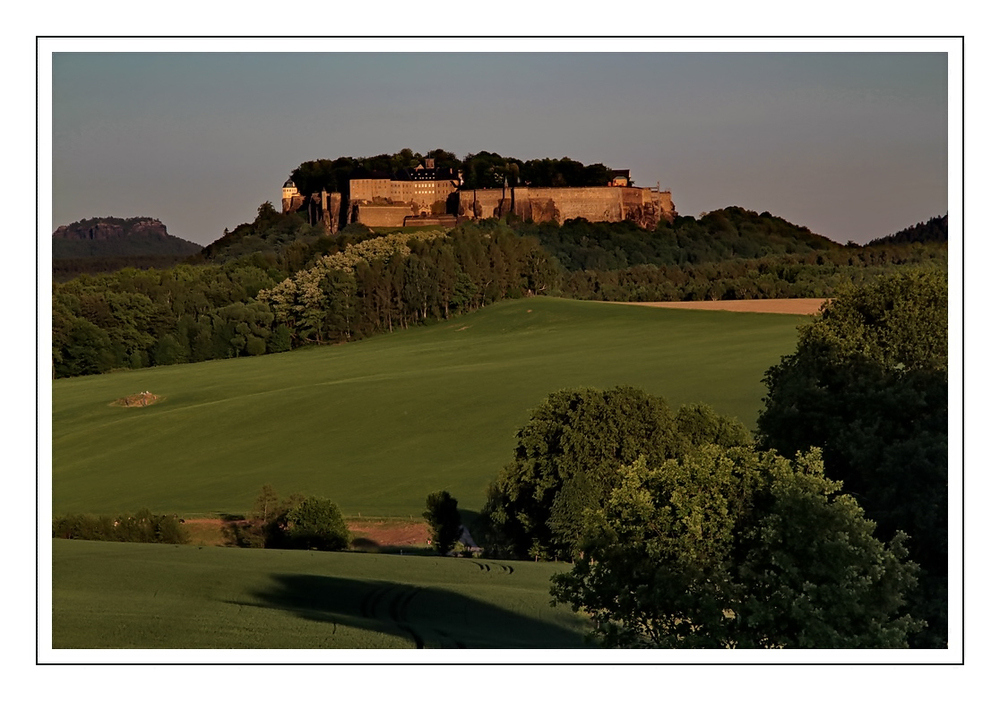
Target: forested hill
(278, 283)
(716, 236)
(577, 245)
(111, 236)
(934, 230)
(270, 233)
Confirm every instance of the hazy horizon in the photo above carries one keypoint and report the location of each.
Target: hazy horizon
(851, 145)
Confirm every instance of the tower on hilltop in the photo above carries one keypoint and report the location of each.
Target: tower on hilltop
(291, 198)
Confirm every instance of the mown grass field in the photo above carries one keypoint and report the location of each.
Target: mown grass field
(139, 596)
(378, 424)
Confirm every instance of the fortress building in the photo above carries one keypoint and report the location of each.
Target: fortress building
(421, 195)
(427, 194)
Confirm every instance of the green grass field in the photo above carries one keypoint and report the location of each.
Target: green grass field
(183, 596)
(378, 424)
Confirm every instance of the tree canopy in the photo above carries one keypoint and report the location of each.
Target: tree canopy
(868, 384)
(567, 457)
(737, 548)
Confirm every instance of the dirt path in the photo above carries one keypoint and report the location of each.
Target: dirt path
(380, 533)
(762, 306)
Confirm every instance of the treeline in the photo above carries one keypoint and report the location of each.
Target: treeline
(276, 284)
(268, 303)
(772, 277)
(934, 230)
(731, 253)
(723, 234)
(480, 170)
(64, 269)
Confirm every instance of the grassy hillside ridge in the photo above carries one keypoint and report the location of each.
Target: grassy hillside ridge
(379, 424)
(189, 597)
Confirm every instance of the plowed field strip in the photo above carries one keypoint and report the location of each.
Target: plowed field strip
(760, 306)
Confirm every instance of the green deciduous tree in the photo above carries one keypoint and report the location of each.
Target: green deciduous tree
(737, 548)
(567, 459)
(317, 523)
(868, 384)
(444, 520)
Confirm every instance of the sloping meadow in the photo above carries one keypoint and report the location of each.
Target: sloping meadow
(168, 597)
(378, 424)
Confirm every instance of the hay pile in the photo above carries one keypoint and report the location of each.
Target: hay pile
(137, 400)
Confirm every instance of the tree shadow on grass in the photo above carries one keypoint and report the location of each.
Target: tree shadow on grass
(418, 616)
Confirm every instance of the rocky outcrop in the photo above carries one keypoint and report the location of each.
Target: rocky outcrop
(108, 228)
(112, 236)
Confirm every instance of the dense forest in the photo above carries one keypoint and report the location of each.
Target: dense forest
(278, 283)
(274, 301)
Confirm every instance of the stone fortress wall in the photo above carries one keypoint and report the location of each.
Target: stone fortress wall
(381, 214)
(388, 202)
(644, 206)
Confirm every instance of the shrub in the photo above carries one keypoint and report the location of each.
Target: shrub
(141, 527)
(317, 523)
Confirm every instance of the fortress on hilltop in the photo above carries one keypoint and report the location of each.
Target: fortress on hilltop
(428, 194)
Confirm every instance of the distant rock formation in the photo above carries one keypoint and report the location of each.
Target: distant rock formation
(111, 236)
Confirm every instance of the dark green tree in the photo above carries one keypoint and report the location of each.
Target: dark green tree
(868, 384)
(567, 458)
(444, 520)
(734, 548)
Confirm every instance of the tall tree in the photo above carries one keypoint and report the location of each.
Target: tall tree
(868, 383)
(444, 520)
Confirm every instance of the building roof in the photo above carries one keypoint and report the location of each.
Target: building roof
(289, 183)
(421, 173)
(361, 174)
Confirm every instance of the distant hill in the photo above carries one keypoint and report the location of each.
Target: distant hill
(106, 237)
(934, 230)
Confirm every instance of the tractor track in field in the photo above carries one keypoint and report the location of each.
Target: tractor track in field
(485, 567)
(390, 603)
(395, 608)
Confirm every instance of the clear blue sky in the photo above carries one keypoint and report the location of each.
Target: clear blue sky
(851, 145)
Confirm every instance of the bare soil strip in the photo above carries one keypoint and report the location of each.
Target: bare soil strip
(208, 531)
(802, 306)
